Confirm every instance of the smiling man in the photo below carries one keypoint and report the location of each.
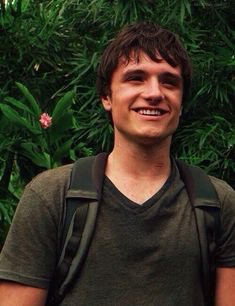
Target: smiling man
(145, 249)
(145, 99)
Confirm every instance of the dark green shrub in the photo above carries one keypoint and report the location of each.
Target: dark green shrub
(53, 47)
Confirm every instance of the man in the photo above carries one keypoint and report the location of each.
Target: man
(145, 249)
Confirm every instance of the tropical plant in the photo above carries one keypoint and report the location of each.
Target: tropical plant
(53, 47)
(7, 208)
(201, 147)
(43, 139)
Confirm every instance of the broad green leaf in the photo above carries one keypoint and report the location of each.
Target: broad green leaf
(15, 118)
(33, 103)
(63, 150)
(63, 105)
(19, 105)
(41, 159)
(61, 127)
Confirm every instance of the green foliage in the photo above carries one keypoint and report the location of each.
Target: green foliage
(48, 59)
(199, 145)
(7, 208)
(44, 147)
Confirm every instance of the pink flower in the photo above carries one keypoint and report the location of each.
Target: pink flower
(45, 120)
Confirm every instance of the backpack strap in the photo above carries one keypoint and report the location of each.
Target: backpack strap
(80, 213)
(206, 206)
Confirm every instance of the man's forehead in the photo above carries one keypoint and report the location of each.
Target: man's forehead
(141, 59)
(135, 56)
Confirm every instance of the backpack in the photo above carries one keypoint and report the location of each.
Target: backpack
(81, 209)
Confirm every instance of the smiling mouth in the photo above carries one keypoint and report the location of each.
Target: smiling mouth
(151, 112)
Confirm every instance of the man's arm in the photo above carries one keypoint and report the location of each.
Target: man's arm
(12, 294)
(225, 287)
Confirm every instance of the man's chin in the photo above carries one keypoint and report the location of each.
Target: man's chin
(154, 140)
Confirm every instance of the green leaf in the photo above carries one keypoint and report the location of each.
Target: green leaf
(188, 7)
(63, 150)
(30, 98)
(19, 105)
(61, 127)
(4, 213)
(226, 40)
(15, 118)
(41, 159)
(63, 105)
(182, 12)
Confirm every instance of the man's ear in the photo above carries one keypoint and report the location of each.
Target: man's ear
(107, 103)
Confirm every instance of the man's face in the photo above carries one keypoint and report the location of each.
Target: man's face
(145, 100)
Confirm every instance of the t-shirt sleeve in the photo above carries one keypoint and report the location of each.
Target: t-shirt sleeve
(29, 255)
(225, 254)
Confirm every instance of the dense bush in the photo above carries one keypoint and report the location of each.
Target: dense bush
(53, 48)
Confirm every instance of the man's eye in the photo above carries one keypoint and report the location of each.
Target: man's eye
(133, 78)
(170, 83)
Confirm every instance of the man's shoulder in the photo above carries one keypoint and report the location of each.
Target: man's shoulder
(224, 190)
(51, 179)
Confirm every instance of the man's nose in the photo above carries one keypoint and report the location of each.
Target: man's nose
(153, 91)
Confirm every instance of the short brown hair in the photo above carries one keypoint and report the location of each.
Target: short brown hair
(149, 38)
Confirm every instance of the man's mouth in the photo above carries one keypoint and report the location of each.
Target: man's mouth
(151, 112)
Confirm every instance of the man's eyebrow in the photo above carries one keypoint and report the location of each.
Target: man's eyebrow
(172, 76)
(132, 72)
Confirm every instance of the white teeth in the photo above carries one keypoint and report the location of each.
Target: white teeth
(149, 112)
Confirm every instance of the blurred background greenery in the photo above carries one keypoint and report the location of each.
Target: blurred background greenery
(49, 51)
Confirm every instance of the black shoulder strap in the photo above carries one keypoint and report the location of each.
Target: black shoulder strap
(81, 207)
(206, 206)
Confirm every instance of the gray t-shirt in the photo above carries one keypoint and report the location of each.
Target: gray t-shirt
(140, 255)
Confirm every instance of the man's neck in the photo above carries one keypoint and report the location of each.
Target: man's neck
(139, 171)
